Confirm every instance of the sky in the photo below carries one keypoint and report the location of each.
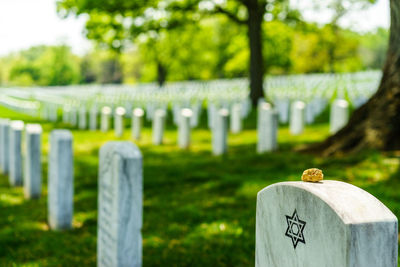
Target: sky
(25, 23)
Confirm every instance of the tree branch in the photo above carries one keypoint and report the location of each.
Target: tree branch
(232, 16)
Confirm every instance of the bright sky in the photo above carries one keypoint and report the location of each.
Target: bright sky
(24, 23)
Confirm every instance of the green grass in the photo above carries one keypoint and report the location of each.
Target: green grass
(199, 210)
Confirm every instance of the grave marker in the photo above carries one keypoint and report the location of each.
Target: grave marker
(184, 128)
(33, 166)
(105, 119)
(220, 132)
(119, 121)
(119, 239)
(15, 177)
(327, 223)
(5, 145)
(137, 122)
(297, 117)
(60, 180)
(158, 126)
(339, 115)
(267, 128)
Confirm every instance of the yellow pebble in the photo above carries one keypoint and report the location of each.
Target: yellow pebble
(312, 175)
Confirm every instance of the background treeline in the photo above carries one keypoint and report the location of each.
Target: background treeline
(215, 48)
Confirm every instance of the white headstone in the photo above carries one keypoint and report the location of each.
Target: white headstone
(65, 114)
(5, 145)
(119, 121)
(82, 118)
(236, 118)
(120, 200)
(73, 117)
(283, 109)
(137, 122)
(220, 132)
(158, 126)
(105, 119)
(339, 115)
(60, 180)
(93, 118)
(328, 223)
(267, 128)
(184, 128)
(297, 117)
(33, 167)
(15, 177)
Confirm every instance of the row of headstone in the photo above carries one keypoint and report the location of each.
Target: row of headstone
(22, 167)
(339, 116)
(27, 172)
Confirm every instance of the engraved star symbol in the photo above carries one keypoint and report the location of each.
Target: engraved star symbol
(295, 229)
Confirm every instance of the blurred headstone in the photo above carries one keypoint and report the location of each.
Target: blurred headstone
(15, 177)
(33, 167)
(60, 180)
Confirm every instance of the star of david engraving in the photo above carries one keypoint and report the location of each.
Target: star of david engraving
(295, 229)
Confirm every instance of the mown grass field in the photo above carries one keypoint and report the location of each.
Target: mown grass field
(199, 210)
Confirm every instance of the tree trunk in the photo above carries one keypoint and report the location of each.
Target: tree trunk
(376, 124)
(254, 24)
(161, 74)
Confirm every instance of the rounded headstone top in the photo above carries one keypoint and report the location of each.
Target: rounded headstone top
(138, 112)
(341, 103)
(223, 112)
(352, 204)
(106, 110)
(4, 121)
(160, 112)
(17, 125)
(299, 104)
(62, 134)
(186, 112)
(33, 128)
(265, 105)
(120, 111)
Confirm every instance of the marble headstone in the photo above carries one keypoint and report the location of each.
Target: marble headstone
(15, 177)
(236, 118)
(339, 115)
(73, 117)
(328, 223)
(93, 118)
(297, 117)
(82, 118)
(184, 128)
(32, 163)
(267, 128)
(119, 121)
(105, 119)
(137, 123)
(120, 200)
(5, 145)
(158, 126)
(60, 180)
(220, 132)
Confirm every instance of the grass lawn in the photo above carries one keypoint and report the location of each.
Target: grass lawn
(199, 210)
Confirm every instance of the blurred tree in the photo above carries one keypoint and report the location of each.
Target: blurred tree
(373, 48)
(338, 10)
(111, 71)
(44, 65)
(111, 22)
(376, 124)
(88, 72)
